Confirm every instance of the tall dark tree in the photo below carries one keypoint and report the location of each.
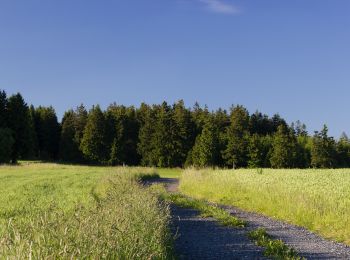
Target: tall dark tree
(48, 133)
(184, 136)
(258, 151)
(323, 150)
(124, 129)
(206, 152)
(343, 151)
(284, 148)
(3, 109)
(165, 150)
(145, 146)
(94, 144)
(19, 123)
(236, 153)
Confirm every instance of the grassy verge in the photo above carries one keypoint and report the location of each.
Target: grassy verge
(316, 199)
(106, 214)
(273, 248)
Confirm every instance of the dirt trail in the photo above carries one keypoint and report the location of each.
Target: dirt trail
(205, 239)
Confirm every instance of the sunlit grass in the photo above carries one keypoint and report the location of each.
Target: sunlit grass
(59, 211)
(316, 199)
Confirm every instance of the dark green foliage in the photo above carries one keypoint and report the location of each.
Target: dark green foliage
(206, 149)
(19, 122)
(284, 148)
(323, 151)
(236, 153)
(184, 133)
(165, 136)
(343, 151)
(48, 133)
(94, 144)
(123, 132)
(6, 145)
(73, 125)
(3, 109)
(258, 151)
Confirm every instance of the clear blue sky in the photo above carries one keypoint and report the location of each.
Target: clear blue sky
(290, 57)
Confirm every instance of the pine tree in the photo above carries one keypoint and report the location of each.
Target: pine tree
(19, 123)
(6, 145)
(237, 134)
(94, 144)
(205, 152)
(323, 150)
(284, 148)
(48, 132)
(69, 148)
(343, 151)
(3, 109)
(184, 136)
(258, 151)
(145, 147)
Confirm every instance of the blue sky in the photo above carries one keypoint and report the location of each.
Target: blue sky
(290, 57)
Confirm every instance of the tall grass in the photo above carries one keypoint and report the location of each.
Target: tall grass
(316, 199)
(107, 214)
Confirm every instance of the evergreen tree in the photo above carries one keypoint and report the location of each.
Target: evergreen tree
(284, 148)
(206, 149)
(145, 146)
(184, 136)
(236, 153)
(69, 148)
(323, 150)
(124, 128)
(3, 109)
(258, 151)
(165, 135)
(6, 145)
(19, 122)
(343, 151)
(94, 144)
(48, 133)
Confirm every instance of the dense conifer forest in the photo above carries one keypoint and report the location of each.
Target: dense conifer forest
(163, 135)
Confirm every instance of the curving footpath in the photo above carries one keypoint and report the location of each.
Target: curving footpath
(204, 238)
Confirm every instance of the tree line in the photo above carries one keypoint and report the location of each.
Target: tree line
(163, 135)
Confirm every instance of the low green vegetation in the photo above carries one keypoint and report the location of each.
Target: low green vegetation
(316, 199)
(58, 211)
(169, 172)
(273, 248)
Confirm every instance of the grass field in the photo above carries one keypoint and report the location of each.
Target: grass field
(316, 199)
(59, 211)
(169, 172)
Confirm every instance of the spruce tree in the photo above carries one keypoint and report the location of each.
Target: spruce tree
(48, 132)
(343, 151)
(237, 134)
(184, 136)
(3, 109)
(19, 123)
(69, 148)
(258, 151)
(6, 145)
(145, 147)
(94, 144)
(205, 152)
(323, 150)
(284, 148)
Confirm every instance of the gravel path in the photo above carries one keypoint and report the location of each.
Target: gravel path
(200, 238)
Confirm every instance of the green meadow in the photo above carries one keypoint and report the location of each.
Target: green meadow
(60, 211)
